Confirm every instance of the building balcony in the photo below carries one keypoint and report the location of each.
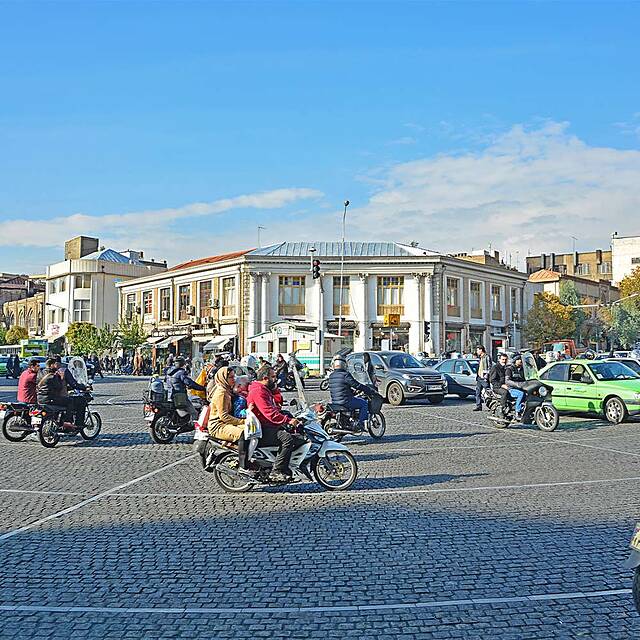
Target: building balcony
(496, 315)
(476, 314)
(453, 310)
(291, 310)
(384, 309)
(343, 310)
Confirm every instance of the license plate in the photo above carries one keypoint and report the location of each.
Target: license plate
(434, 387)
(2, 415)
(36, 420)
(635, 540)
(148, 417)
(200, 435)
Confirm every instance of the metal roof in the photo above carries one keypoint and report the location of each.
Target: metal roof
(334, 249)
(110, 255)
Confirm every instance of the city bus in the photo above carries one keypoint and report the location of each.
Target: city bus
(26, 349)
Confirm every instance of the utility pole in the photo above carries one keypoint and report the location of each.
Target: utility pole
(320, 335)
(259, 229)
(344, 217)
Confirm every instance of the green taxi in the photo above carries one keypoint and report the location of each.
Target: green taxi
(607, 388)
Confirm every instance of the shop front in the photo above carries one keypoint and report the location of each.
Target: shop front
(499, 343)
(390, 338)
(453, 339)
(476, 338)
(349, 331)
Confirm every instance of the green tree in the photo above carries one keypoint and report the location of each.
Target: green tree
(3, 335)
(630, 284)
(106, 340)
(131, 334)
(626, 322)
(548, 319)
(82, 337)
(15, 334)
(569, 297)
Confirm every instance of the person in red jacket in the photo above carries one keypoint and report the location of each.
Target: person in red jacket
(27, 383)
(275, 424)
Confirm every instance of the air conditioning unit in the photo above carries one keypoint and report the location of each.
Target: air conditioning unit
(208, 321)
(164, 315)
(138, 310)
(191, 311)
(215, 303)
(193, 319)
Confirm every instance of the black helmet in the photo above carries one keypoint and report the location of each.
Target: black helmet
(179, 361)
(589, 354)
(516, 356)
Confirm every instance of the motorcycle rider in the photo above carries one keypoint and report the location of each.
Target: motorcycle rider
(514, 379)
(178, 382)
(497, 377)
(27, 383)
(77, 404)
(341, 387)
(52, 390)
(275, 424)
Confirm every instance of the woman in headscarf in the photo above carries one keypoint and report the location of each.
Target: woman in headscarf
(222, 424)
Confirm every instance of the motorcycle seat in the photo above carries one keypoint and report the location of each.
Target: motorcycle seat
(338, 408)
(54, 407)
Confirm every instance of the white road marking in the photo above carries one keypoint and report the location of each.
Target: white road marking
(104, 494)
(42, 493)
(355, 608)
(376, 492)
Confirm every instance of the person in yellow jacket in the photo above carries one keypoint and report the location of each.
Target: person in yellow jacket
(222, 424)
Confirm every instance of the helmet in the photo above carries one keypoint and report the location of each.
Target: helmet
(516, 356)
(589, 354)
(339, 360)
(179, 361)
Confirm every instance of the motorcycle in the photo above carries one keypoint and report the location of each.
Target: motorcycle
(339, 421)
(633, 562)
(168, 418)
(16, 422)
(318, 459)
(49, 422)
(324, 383)
(537, 408)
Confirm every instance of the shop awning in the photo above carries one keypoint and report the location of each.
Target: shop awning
(200, 338)
(154, 339)
(216, 344)
(163, 344)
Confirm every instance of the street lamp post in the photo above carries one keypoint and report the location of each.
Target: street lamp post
(344, 218)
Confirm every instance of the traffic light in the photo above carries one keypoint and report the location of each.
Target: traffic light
(427, 329)
(315, 268)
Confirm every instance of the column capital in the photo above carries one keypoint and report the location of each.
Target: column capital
(363, 276)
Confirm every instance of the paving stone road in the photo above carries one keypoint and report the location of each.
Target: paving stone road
(453, 529)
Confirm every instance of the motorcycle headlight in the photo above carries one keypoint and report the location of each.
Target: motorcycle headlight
(542, 391)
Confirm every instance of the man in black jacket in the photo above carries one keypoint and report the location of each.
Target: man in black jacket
(514, 379)
(52, 390)
(497, 377)
(178, 382)
(341, 387)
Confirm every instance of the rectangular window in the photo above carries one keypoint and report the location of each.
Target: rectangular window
(560, 268)
(205, 294)
(229, 297)
(62, 286)
(291, 295)
(496, 302)
(147, 303)
(583, 269)
(184, 301)
(53, 286)
(635, 260)
(341, 288)
(130, 306)
(83, 281)
(81, 311)
(453, 297)
(390, 295)
(52, 316)
(63, 315)
(604, 268)
(475, 301)
(165, 304)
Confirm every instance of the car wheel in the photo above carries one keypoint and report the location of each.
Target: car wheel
(395, 394)
(435, 399)
(462, 396)
(615, 410)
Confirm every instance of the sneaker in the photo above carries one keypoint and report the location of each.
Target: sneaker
(478, 409)
(278, 476)
(249, 473)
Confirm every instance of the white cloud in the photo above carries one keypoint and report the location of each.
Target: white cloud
(151, 226)
(528, 189)
(404, 140)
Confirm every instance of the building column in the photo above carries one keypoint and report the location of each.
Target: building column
(252, 323)
(428, 316)
(264, 315)
(362, 343)
(416, 327)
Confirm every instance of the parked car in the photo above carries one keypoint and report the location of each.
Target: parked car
(399, 376)
(42, 361)
(3, 365)
(460, 374)
(605, 387)
(427, 361)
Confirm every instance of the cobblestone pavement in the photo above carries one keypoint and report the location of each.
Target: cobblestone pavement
(453, 529)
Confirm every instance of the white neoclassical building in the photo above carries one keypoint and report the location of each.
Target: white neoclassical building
(265, 301)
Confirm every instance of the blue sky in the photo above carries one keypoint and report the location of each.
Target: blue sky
(454, 124)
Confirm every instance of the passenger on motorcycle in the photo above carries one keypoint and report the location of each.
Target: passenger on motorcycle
(275, 424)
(52, 390)
(514, 379)
(240, 391)
(27, 383)
(178, 382)
(222, 425)
(341, 387)
(497, 377)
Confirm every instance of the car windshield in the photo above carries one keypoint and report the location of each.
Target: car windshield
(474, 365)
(634, 365)
(613, 371)
(401, 361)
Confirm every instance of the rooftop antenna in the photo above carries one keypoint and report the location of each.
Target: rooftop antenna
(574, 243)
(260, 229)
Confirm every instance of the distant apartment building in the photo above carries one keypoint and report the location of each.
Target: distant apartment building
(82, 288)
(14, 286)
(592, 265)
(625, 255)
(589, 291)
(27, 312)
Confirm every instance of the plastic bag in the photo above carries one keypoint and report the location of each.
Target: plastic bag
(201, 380)
(252, 426)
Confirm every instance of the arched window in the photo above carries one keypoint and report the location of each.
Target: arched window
(31, 319)
(12, 320)
(21, 317)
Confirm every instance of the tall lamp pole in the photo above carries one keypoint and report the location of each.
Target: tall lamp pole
(344, 218)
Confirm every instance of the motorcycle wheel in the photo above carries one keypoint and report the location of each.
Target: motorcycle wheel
(8, 429)
(376, 425)
(337, 471)
(48, 433)
(160, 430)
(636, 588)
(546, 417)
(324, 385)
(227, 480)
(92, 426)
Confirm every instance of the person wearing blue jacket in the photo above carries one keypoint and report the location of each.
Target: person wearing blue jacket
(341, 387)
(178, 382)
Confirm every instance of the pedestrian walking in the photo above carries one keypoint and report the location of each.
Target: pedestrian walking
(482, 377)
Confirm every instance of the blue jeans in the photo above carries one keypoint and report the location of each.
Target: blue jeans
(362, 406)
(519, 395)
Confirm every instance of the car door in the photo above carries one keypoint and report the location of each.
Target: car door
(581, 390)
(446, 369)
(462, 374)
(378, 366)
(557, 376)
